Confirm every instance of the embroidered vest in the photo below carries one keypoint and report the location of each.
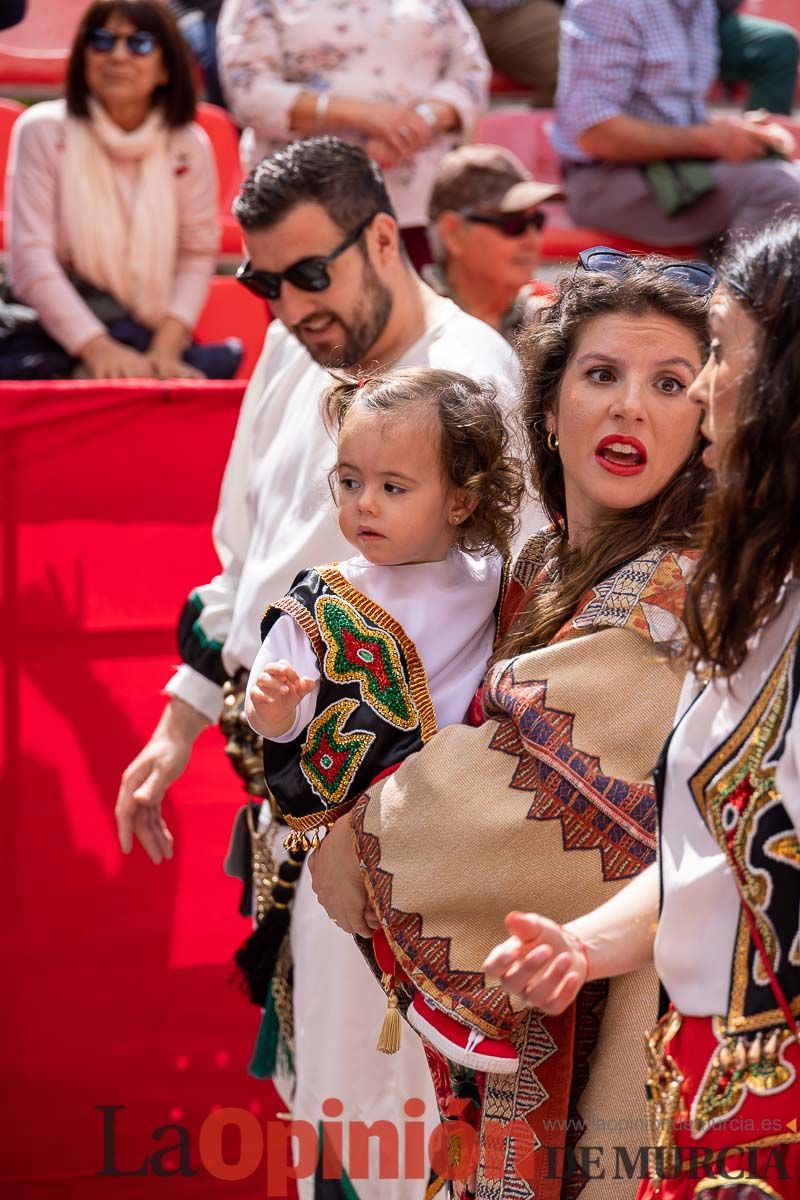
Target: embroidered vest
(374, 706)
(736, 795)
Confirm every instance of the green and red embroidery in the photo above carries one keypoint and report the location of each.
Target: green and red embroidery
(331, 755)
(356, 652)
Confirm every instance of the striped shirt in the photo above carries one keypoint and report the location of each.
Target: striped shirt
(651, 59)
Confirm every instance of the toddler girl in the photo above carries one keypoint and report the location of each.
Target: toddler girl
(363, 660)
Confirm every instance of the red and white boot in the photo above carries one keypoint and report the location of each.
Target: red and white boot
(460, 1043)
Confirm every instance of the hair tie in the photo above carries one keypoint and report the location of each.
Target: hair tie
(362, 381)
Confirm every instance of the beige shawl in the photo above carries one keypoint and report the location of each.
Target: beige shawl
(129, 252)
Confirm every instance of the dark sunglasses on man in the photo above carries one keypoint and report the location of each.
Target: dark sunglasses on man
(511, 225)
(694, 276)
(140, 43)
(308, 274)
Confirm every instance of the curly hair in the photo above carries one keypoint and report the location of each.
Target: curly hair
(475, 441)
(671, 518)
(750, 539)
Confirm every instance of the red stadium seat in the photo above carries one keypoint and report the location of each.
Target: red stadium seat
(224, 139)
(232, 311)
(9, 111)
(787, 11)
(527, 134)
(563, 240)
(515, 129)
(504, 85)
(33, 54)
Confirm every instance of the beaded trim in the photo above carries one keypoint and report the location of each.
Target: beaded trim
(417, 677)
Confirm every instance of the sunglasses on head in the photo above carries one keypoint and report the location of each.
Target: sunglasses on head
(511, 225)
(139, 43)
(695, 277)
(309, 274)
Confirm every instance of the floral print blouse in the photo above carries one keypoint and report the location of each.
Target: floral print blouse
(402, 51)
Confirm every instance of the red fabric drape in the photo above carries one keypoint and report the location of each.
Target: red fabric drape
(115, 972)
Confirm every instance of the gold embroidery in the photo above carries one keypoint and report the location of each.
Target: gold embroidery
(732, 791)
(330, 757)
(739, 1065)
(375, 666)
(663, 1086)
(726, 1183)
(418, 679)
(784, 847)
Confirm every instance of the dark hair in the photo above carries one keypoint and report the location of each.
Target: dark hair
(475, 447)
(327, 171)
(751, 541)
(669, 519)
(177, 97)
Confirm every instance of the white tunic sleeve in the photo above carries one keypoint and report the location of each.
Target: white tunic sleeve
(287, 641)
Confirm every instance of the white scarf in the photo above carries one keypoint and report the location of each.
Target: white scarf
(132, 254)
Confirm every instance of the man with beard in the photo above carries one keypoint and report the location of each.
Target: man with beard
(323, 249)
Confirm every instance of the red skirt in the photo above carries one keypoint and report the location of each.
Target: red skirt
(735, 1131)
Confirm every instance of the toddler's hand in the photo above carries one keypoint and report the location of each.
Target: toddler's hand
(275, 696)
(541, 962)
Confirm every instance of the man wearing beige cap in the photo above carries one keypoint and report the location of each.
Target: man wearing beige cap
(485, 233)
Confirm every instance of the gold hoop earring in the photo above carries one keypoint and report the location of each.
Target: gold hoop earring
(552, 442)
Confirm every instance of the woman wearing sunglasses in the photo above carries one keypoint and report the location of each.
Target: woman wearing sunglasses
(112, 197)
(724, 1061)
(485, 230)
(550, 797)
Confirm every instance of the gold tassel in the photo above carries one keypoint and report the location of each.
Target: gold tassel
(389, 1040)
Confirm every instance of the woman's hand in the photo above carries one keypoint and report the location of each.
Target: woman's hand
(402, 129)
(383, 154)
(336, 879)
(542, 963)
(166, 351)
(105, 358)
(166, 365)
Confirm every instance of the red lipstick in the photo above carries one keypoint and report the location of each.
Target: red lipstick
(618, 461)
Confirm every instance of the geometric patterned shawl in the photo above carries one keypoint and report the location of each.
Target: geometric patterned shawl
(548, 806)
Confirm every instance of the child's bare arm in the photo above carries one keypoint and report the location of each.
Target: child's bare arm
(273, 699)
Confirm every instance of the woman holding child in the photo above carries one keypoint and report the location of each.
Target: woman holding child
(724, 1059)
(574, 711)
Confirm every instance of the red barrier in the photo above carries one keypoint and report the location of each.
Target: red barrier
(116, 973)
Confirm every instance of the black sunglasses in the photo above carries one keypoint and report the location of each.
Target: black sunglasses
(695, 277)
(139, 43)
(511, 225)
(309, 274)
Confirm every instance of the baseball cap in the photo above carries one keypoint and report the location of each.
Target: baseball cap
(486, 177)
